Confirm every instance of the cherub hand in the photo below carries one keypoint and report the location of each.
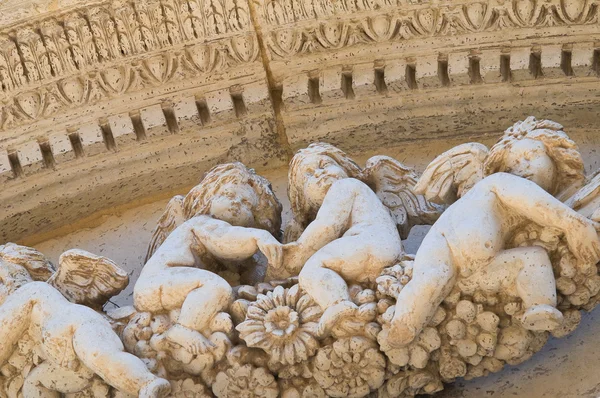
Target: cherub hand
(292, 257)
(400, 334)
(270, 247)
(583, 241)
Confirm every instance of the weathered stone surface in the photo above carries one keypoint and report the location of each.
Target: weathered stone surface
(274, 78)
(340, 309)
(106, 103)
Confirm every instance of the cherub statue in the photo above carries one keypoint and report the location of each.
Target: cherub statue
(75, 342)
(350, 235)
(499, 193)
(225, 220)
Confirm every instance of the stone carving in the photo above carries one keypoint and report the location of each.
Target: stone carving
(223, 308)
(283, 323)
(391, 181)
(461, 246)
(181, 300)
(352, 237)
(84, 40)
(299, 27)
(491, 314)
(62, 345)
(69, 57)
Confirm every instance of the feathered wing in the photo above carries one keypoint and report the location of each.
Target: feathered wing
(86, 278)
(38, 266)
(453, 173)
(173, 217)
(586, 200)
(393, 183)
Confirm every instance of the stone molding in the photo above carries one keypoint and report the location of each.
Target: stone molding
(294, 27)
(120, 76)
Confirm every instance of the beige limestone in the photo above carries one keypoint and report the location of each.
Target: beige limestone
(51, 344)
(106, 103)
(480, 326)
(277, 76)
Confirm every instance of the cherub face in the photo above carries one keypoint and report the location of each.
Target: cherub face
(529, 159)
(320, 172)
(234, 203)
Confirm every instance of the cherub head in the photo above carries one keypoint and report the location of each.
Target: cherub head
(312, 172)
(541, 152)
(236, 194)
(20, 265)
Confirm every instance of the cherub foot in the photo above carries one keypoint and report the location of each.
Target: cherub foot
(542, 317)
(401, 334)
(333, 315)
(158, 388)
(194, 342)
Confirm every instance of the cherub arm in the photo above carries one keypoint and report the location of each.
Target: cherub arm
(229, 242)
(15, 314)
(529, 200)
(331, 222)
(220, 238)
(333, 216)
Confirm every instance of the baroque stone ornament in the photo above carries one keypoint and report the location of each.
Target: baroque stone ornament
(227, 305)
(50, 345)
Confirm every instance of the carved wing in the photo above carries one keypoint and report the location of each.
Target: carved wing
(586, 200)
(453, 173)
(89, 279)
(393, 183)
(38, 266)
(173, 216)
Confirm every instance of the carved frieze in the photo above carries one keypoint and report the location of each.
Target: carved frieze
(296, 27)
(99, 52)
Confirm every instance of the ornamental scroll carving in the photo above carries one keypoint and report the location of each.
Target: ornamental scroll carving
(98, 53)
(300, 27)
(222, 307)
(46, 62)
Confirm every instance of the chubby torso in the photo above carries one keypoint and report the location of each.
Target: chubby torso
(371, 222)
(54, 321)
(475, 229)
(367, 211)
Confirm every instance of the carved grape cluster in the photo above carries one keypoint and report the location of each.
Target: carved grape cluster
(393, 279)
(144, 337)
(350, 367)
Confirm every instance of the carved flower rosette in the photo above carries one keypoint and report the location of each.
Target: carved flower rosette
(284, 324)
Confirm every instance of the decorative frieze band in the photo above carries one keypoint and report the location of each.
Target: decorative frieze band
(300, 27)
(84, 38)
(95, 79)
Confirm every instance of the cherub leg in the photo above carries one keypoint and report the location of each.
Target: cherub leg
(48, 381)
(204, 294)
(15, 315)
(526, 272)
(432, 280)
(321, 277)
(99, 348)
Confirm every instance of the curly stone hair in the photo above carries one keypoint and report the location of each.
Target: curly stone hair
(20, 265)
(267, 214)
(302, 212)
(560, 148)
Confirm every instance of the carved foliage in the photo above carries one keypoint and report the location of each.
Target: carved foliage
(45, 58)
(12, 74)
(340, 24)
